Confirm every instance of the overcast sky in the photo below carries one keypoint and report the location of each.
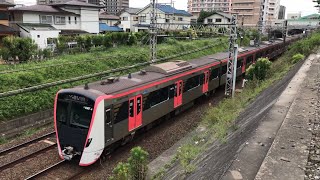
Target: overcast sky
(304, 6)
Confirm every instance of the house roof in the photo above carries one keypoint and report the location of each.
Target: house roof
(6, 29)
(226, 15)
(108, 16)
(311, 16)
(104, 27)
(5, 3)
(36, 26)
(132, 10)
(40, 8)
(76, 3)
(168, 10)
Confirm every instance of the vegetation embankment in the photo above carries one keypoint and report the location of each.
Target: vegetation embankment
(220, 119)
(102, 60)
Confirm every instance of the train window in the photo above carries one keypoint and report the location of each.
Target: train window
(121, 112)
(81, 115)
(249, 60)
(131, 108)
(172, 91)
(224, 70)
(239, 63)
(156, 97)
(62, 111)
(108, 115)
(138, 105)
(201, 79)
(192, 83)
(214, 74)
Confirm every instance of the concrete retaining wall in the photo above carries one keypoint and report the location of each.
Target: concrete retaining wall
(16, 125)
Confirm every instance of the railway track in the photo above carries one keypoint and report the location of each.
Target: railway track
(25, 144)
(54, 171)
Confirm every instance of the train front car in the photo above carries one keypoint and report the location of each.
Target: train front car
(78, 118)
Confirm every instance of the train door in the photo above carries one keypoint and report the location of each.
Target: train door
(178, 94)
(108, 125)
(205, 86)
(135, 112)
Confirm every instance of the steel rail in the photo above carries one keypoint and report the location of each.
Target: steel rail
(24, 158)
(19, 146)
(44, 171)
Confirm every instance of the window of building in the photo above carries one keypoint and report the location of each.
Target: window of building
(46, 19)
(180, 19)
(125, 18)
(75, 20)
(61, 20)
(218, 20)
(210, 21)
(4, 15)
(142, 18)
(192, 83)
(69, 19)
(167, 20)
(121, 112)
(38, 36)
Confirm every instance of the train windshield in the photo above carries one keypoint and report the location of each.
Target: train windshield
(74, 110)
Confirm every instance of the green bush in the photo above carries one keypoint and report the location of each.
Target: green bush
(172, 41)
(5, 53)
(138, 162)
(136, 167)
(259, 69)
(120, 172)
(297, 58)
(132, 40)
(97, 49)
(23, 48)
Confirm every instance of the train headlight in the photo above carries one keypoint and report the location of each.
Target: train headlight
(89, 142)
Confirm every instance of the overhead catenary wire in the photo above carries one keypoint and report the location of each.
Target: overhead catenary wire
(108, 72)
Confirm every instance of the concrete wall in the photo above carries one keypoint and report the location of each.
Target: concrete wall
(15, 125)
(90, 20)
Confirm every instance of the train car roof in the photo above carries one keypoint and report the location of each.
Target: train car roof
(124, 83)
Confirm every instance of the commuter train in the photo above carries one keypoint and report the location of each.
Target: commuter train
(96, 117)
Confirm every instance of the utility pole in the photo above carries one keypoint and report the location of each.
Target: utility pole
(285, 29)
(260, 22)
(153, 30)
(232, 60)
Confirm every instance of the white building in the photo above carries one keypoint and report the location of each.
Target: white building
(168, 18)
(218, 18)
(291, 16)
(41, 22)
(273, 11)
(129, 18)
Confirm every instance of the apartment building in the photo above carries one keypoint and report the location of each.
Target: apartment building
(249, 11)
(196, 6)
(273, 11)
(282, 12)
(111, 6)
(48, 2)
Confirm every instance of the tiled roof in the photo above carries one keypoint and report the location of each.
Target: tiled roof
(6, 29)
(40, 8)
(104, 27)
(171, 10)
(131, 10)
(77, 3)
(36, 26)
(5, 3)
(227, 15)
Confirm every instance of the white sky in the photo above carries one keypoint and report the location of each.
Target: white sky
(305, 6)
